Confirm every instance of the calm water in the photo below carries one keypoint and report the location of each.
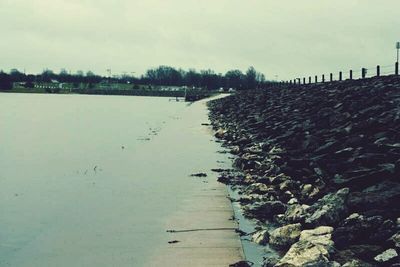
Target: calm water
(91, 180)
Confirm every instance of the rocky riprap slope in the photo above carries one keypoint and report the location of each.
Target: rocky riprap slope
(322, 162)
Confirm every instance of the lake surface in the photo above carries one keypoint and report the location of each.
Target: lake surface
(91, 180)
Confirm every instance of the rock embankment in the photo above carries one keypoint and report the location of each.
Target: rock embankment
(323, 163)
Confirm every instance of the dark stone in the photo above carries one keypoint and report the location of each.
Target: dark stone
(358, 229)
(329, 209)
(364, 180)
(270, 262)
(385, 195)
(242, 264)
(200, 174)
(327, 136)
(366, 252)
(265, 210)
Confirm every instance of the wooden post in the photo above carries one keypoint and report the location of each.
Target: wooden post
(309, 79)
(340, 75)
(363, 73)
(323, 78)
(378, 71)
(396, 68)
(304, 80)
(351, 74)
(316, 79)
(331, 77)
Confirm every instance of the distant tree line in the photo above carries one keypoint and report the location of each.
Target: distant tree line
(165, 75)
(162, 75)
(5, 81)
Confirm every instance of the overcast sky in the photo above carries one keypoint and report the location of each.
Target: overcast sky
(288, 38)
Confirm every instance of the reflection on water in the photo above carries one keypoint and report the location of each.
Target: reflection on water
(90, 180)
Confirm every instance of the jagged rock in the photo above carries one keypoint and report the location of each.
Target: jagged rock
(256, 149)
(365, 252)
(241, 264)
(265, 210)
(296, 213)
(319, 234)
(367, 179)
(384, 196)
(313, 249)
(261, 237)
(353, 263)
(231, 179)
(309, 192)
(356, 263)
(242, 141)
(277, 179)
(307, 141)
(252, 198)
(285, 236)
(306, 189)
(361, 254)
(220, 133)
(235, 150)
(358, 229)
(329, 209)
(249, 179)
(257, 188)
(387, 256)
(287, 195)
(396, 240)
(248, 161)
(270, 261)
(293, 201)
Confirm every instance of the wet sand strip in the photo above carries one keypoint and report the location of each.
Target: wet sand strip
(205, 231)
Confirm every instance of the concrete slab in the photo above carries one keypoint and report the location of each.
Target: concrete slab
(205, 231)
(204, 227)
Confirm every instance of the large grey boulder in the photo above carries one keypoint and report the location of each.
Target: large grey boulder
(285, 236)
(313, 249)
(319, 234)
(328, 210)
(296, 213)
(386, 256)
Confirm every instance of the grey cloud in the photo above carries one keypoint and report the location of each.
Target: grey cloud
(287, 38)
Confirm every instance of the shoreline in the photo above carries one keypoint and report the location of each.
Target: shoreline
(317, 166)
(191, 95)
(202, 231)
